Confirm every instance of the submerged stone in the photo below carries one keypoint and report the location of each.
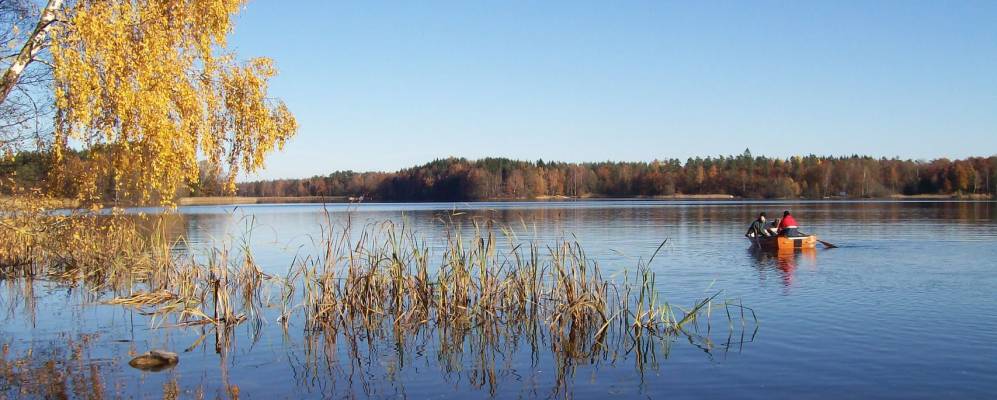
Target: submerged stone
(155, 360)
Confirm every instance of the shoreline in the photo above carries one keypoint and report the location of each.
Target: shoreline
(246, 200)
(240, 200)
(226, 200)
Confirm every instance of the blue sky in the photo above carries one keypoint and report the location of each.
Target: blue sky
(387, 85)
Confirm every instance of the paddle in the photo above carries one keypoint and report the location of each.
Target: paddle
(825, 243)
(828, 244)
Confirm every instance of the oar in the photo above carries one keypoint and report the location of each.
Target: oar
(825, 243)
(828, 244)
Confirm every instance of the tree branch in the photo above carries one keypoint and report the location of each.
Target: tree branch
(32, 46)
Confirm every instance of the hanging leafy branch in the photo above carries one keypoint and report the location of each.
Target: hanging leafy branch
(146, 89)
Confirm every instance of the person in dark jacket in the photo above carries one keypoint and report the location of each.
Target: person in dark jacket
(757, 228)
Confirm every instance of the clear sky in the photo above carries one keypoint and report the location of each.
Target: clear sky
(382, 86)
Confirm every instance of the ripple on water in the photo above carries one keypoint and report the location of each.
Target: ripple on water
(903, 309)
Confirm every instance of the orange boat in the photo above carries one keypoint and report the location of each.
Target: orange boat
(784, 242)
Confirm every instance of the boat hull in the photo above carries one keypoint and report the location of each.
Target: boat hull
(785, 243)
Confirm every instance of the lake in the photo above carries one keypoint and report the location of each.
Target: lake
(904, 308)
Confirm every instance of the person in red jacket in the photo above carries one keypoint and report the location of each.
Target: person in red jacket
(788, 226)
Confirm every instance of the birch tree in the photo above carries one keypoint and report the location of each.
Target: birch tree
(25, 98)
(148, 88)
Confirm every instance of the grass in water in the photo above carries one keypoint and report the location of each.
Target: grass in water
(482, 290)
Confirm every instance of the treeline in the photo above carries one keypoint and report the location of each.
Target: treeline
(82, 172)
(458, 179)
(745, 175)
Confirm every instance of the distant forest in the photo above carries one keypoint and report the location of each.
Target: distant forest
(458, 179)
(745, 175)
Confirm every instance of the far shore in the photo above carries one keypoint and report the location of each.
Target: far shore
(224, 200)
(229, 200)
(238, 200)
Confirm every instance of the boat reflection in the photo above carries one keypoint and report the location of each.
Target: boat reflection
(784, 262)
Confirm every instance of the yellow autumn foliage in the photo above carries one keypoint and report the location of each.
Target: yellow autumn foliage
(149, 87)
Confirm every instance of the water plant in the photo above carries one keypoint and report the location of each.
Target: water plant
(480, 290)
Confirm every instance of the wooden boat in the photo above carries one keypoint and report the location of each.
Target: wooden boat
(784, 242)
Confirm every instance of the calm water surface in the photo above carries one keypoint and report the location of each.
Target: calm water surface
(903, 309)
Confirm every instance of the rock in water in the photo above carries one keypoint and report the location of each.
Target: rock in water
(155, 360)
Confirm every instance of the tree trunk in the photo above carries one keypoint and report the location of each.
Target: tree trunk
(32, 46)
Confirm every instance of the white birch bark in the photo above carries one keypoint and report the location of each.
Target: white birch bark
(32, 46)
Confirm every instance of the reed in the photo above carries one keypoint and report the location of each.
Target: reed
(481, 295)
(483, 289)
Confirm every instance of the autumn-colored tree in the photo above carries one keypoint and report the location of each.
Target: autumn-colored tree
(536, 184)
(760, 177)
(210, 180)
(515, 185)
(555, 182)
(25, 97)
(151, 84)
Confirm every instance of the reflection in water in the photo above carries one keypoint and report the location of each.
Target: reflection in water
(383, 361)
(59, 370)
(705, 252)
(484, 310)
(18, 299)
(366, 362)
(67, 368)
(785, 262)
(622, 231)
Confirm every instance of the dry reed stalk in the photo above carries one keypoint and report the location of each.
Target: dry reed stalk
(378, 281)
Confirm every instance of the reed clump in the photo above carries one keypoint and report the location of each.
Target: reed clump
(481, 287)
(109, 252)
(100, 249)
(483, 294)
(383, 279)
